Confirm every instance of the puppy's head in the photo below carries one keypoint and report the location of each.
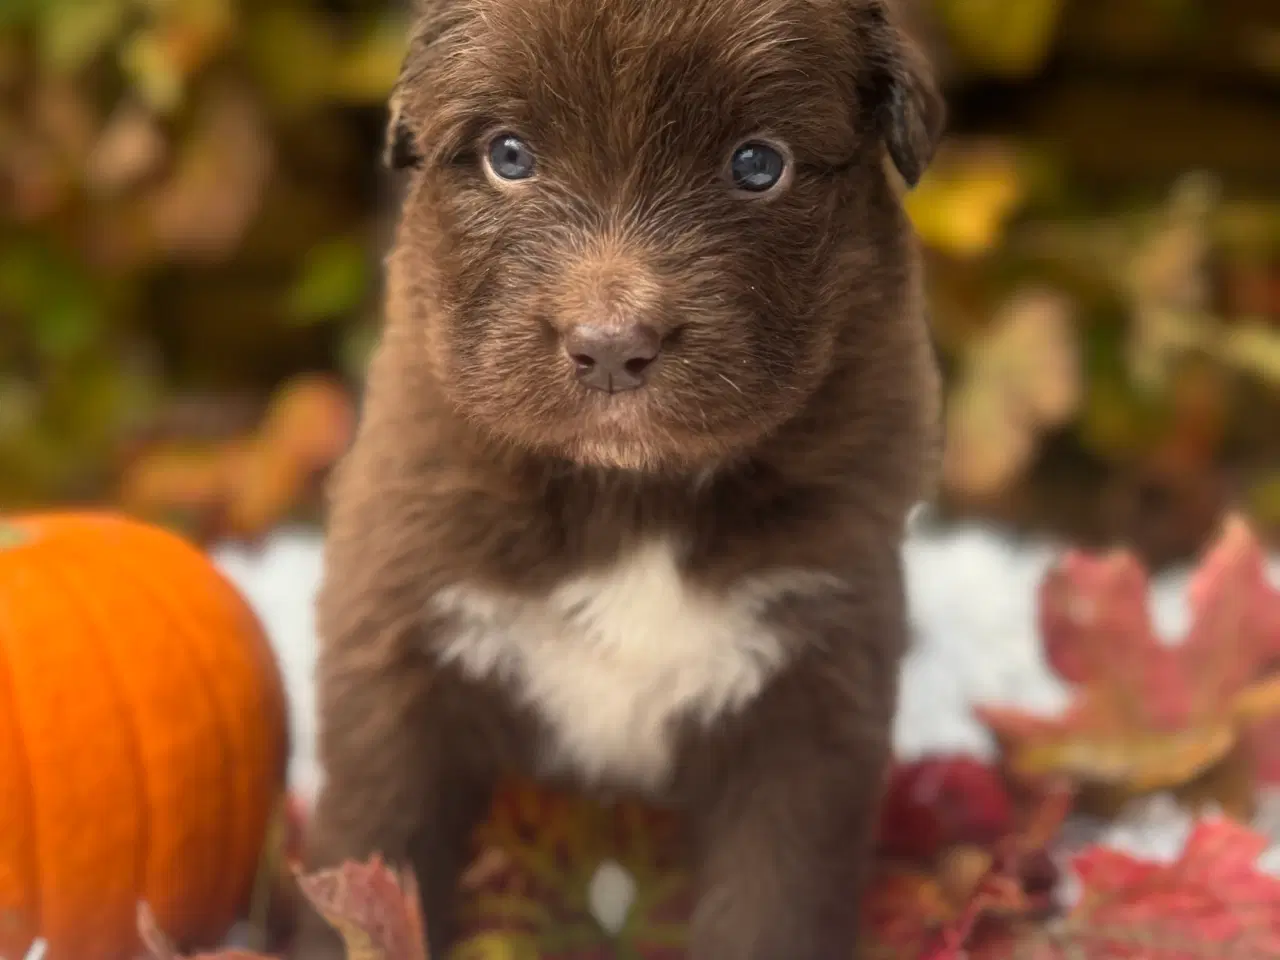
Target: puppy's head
(636, 230)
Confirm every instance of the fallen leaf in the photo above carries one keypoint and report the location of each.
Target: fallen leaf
(1148, 715)
(541, 858)
(1211, 902)
(373, 907)
(941, 802)
(376, 910)
(976, 901)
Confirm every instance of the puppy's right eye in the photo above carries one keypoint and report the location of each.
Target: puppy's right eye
(757, 167)
(510, 158)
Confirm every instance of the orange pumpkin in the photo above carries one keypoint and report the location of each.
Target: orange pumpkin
(143, 737)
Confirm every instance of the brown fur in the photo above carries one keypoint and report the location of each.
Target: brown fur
(789, 423)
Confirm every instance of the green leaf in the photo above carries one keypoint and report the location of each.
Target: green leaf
(367, 73)
(73, 32)
(145, 61)
(53, 297)
(334, 280)
(303, 79)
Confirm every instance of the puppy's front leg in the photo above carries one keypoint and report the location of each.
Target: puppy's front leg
(397, 783)
(785, 841)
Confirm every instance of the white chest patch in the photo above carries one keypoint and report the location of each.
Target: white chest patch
(611, 660)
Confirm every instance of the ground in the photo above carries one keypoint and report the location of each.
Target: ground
(972, 600)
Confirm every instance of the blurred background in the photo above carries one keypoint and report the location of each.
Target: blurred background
(192, 220)
(192, 217)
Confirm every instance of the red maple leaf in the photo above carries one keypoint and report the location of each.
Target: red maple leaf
(1146, 714)
(1212, 902)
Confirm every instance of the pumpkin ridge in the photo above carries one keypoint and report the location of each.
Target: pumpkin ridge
(264, 790)
(153, 804)
(128, 715)
(129, 720)
(256, 784)
(22, 759)
(41, 562)
(221, 889)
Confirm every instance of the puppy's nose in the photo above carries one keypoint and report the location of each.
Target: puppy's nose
(612, 359)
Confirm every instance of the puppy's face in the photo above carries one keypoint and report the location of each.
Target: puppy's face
(636, 228)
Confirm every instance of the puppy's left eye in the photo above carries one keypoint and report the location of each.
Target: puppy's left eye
(510, 158)
(757, 167)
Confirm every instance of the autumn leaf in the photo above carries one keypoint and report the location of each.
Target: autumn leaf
(975, 901)
(375, 909)
(1211, 902)
(241, 487)
(940, 802)
(541, 880)
(1007, 37)
(1018, 381)
(966, 198)
(1148, 715)
(311, 419)
(176, 43)
(1170, 287)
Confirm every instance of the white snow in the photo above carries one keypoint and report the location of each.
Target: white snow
(971, 592)
(279, 580)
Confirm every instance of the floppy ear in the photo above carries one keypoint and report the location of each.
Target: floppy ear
(400, 148)
(431, 20)
(910, 111)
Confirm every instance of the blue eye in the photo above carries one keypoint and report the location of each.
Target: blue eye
(757, 167)
(510, 158)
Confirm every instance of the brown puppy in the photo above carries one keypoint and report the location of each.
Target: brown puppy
(653, 397)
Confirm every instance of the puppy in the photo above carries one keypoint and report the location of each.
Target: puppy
(653, 397)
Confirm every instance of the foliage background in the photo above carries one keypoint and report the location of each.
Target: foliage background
(192, 215)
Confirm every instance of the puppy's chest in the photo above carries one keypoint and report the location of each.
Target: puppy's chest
(615, 662)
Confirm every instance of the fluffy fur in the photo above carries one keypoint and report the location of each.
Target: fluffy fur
(690, 590)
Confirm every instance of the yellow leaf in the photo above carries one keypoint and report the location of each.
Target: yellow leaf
(368, 72)
(962, 204)
(1254, 347)
(1258, 702)
(497, 946)
(1007, 37)
(1141, 762)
